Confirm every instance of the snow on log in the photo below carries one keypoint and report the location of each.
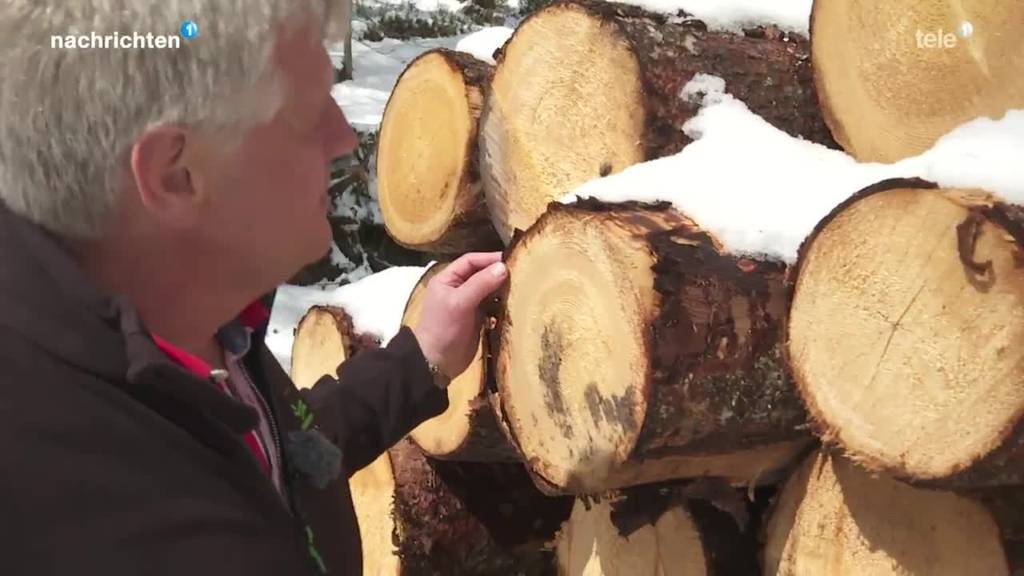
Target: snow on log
(893, 77)
(584, 89)
(428, 182)
(468, 430)
(905, 333)
(421, 516)
(833, 517)
(631, 349)
(652, 531)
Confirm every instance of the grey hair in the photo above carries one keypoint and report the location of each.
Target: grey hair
(69, 116)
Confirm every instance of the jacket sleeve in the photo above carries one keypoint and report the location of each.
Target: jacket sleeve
(378, 398)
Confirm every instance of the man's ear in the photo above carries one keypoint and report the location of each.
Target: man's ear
(162, 177)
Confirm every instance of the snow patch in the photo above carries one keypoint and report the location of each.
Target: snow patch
(377, 67)
(761, 191)
(735, 15)
(703, 89)
(482, 43)
(375, 303)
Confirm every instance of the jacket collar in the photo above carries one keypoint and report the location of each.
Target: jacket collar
(47, 299)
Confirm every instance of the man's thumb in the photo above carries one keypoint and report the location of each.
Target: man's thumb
(482, 284)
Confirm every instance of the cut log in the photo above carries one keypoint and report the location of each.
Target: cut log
(419, 516)
(585, 89)
(652, 534)
(894, 76)
(327, 339)
(428, 182)
(468, 430)
(429, 517)
(632, 350)
(833, 517)
(905, 333)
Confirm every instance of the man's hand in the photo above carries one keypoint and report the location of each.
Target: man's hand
(448, 330)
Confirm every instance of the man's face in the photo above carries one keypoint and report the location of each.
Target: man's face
(268, 198)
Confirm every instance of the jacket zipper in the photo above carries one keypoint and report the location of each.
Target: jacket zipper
(274, 434)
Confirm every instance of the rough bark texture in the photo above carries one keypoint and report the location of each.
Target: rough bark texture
(1004, 466)
(1007, 506)
(767, 69)
(470, 228)
(471, 518)
(717, 383)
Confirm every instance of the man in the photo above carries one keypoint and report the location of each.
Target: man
(147, 197)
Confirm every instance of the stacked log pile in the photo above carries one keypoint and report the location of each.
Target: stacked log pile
(645, 400)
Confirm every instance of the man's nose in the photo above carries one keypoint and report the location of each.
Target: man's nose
(341, 138)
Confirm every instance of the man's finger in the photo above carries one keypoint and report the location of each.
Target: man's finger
(481, 285)
(463, 268)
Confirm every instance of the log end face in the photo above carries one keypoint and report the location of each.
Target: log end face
(571, 358)
(428, 181)
(547, 129)
(590, 543)
(323, 338)
(914, 80)
(906, 333)
(833, 517)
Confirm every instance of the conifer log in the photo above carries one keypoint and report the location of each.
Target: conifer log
(428, 180)
(423, 517)
(893, 76)
(632, 349)
(905, 333)
(652, 531)
(468, 430)
(586, 88)
(833, 517)
(328, 339)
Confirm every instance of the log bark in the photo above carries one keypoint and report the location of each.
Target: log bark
(653, 530)
(430, 517)
(905, 333)
(1006, 503)
(468, 430)
(833, 517)
(585, 89)
(632, 349)
(428, 179)
(888, 93)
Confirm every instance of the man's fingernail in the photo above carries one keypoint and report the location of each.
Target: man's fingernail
(499, 269)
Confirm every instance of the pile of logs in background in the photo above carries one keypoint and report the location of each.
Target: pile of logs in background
(643, 402)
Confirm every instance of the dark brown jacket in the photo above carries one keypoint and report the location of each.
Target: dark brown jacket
(117, 461)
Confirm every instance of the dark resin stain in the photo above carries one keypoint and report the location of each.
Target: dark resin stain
(616, 410)
(547, 369)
